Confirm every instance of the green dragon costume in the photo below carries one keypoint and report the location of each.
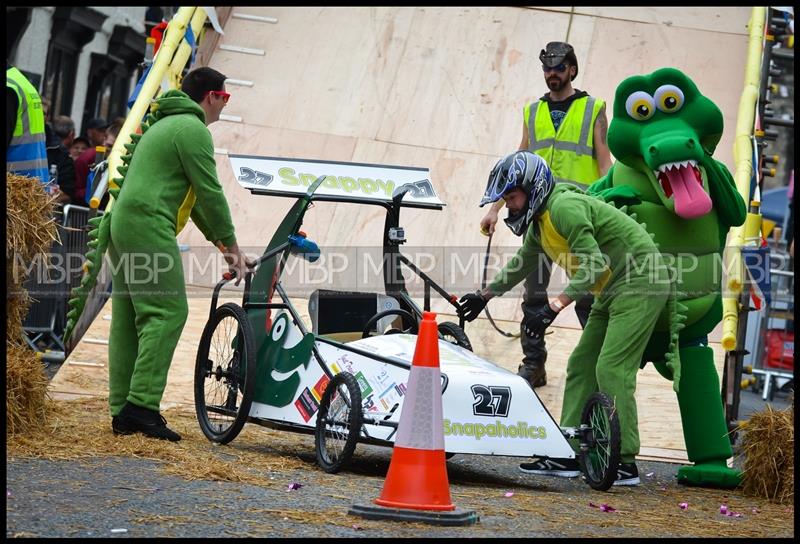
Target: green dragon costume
(663, 135)
(172, 177)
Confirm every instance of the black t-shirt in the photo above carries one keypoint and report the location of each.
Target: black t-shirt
(558, 110)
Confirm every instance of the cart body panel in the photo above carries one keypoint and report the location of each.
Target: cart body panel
(487, 410)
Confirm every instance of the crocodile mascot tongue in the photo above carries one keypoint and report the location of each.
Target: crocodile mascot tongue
(663, 135)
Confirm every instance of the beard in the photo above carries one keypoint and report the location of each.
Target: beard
(555, 84)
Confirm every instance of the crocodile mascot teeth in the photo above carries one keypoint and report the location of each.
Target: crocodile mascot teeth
(663, 135)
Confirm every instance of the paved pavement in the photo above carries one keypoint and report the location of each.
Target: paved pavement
(132, 496)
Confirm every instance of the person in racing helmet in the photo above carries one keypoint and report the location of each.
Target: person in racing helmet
(604, 252)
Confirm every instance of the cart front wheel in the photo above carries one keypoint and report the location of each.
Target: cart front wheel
(600, 442)
(224, 374)
(338, 422)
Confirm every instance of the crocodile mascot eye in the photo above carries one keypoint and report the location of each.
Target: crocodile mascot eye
(640, 106)
(669, 98)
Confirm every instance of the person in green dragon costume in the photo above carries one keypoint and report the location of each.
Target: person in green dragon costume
(169, 176)
(663, 135)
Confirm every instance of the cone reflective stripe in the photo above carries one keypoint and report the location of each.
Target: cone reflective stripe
(416, 486)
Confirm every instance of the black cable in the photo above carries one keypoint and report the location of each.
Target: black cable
(483, 284)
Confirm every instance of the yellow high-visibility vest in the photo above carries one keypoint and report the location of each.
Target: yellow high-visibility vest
(27, 152)
(570, 151)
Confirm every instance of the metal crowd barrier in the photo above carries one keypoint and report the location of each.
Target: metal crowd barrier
(50, 281)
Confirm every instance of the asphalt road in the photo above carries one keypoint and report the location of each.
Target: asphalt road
(130, 496)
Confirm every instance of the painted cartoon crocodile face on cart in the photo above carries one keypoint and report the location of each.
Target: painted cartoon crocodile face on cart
(277, 379)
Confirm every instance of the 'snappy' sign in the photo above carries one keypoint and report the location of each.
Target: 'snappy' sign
(349, 180)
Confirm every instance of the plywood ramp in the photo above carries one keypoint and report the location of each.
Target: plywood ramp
(85, 373)
(436, 87)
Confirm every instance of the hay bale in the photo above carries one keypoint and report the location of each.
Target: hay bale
(30, 232)
(26, 391)
(768, 449)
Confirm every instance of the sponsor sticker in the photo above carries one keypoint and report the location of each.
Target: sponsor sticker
(306, 404)
(319, 387)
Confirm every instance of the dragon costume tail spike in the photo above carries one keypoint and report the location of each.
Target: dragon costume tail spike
(130, 147)
(114, 192)
(122, 169)
(101, 235)
(150, 119)
(118, 181)
(126, 158)
(135, 138)
(144, 127)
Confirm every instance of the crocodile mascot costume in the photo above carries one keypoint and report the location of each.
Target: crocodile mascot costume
(663, 135)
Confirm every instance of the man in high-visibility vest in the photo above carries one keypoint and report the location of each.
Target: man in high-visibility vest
(26, 149)
(567, 128)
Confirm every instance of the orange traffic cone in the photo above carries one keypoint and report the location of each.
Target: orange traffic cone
(416, 487)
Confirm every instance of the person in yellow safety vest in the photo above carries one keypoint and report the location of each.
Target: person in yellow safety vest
(26, 150)
(566, 127)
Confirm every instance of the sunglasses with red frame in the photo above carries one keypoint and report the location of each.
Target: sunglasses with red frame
(225, 96)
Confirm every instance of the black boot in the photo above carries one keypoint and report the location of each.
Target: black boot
(533, 373)
(135, 419)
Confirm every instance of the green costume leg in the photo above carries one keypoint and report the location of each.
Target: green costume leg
(123, 344)
(707, 443)
(618, 330)
(154, 279)
(581, 380)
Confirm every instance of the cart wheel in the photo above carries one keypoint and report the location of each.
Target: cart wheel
(224, 374)
(454, 334)
(449, 455)
(600, 442)
(338, 422)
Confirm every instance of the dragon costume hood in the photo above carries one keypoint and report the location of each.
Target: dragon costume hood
(174, 102)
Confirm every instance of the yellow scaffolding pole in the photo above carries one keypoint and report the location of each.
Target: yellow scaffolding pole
(169, 61)
(743, 157)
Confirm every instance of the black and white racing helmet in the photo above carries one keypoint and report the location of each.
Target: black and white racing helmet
(527, 171)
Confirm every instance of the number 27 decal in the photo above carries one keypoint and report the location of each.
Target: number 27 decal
(492, 400)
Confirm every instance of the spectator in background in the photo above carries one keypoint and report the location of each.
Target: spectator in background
(79, 145)
(58, 155)
(26, 152)
(64, 128)
(96, 131)
(86, 159)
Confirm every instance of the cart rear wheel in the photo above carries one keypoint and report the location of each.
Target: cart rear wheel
(224, 374)
(454, 334)
(338, 422)
(600, 442)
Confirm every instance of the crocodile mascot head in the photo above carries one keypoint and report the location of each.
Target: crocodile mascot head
(664, 128)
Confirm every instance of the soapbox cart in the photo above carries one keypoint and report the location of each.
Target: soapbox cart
(258, 362)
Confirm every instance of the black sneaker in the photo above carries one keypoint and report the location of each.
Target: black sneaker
(627, 474)
(534, 375)
(115, 426)
(135, 419)
(564, 468)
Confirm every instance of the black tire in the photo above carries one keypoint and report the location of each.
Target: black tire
(454, 334)
(338, 422)
(449, 455)
(224, 375)
(600, 442)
